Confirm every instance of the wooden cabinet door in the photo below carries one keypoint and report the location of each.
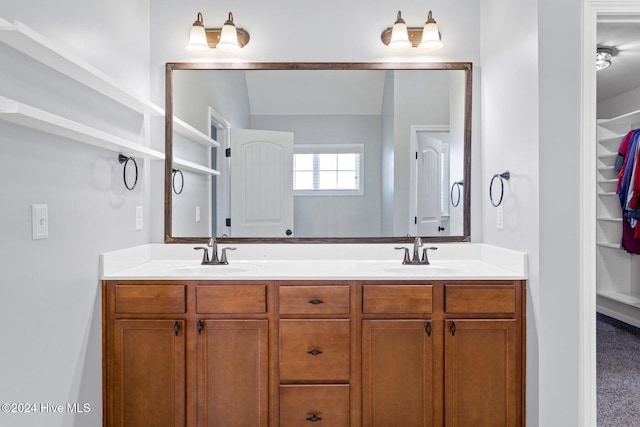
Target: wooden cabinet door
(147, 373)
(398, 372)
(482, 373)
(233, 373)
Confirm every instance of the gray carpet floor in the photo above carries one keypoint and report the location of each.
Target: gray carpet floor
(618, 373)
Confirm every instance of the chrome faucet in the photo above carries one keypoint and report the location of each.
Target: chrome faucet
(417, 244)
(214, 260)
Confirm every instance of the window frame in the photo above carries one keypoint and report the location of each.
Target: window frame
(332, 149)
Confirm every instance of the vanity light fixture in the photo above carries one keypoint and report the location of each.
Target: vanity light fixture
(227, 39)
(431, 39)
(603, 57)
(198, 37)
(399, 37)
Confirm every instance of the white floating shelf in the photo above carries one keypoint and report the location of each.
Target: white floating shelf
(609, 245)
(612, 138)
(608, 156)
(610, 219)
(631, 117)
(192, 133)
(31, 117)
(627, 298)
(33, 44)
(621, 123)
(185, 165)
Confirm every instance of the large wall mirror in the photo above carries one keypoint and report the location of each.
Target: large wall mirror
(317, 152)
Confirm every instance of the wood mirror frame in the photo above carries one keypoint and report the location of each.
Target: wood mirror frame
(168, 192)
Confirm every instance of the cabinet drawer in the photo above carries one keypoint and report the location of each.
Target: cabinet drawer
(498, 299)
(397, 299)
(315, 350)
(155, 299)
(229, 299)
(321, 405)
(314, 299)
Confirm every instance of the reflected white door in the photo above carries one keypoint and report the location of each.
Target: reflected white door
(261, 183)
(431, 178)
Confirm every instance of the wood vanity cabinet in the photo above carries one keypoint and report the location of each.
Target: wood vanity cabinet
(185, 354)
(399, 356)
(322, 353)
(484, 354)
(443, 354)
(232, 363)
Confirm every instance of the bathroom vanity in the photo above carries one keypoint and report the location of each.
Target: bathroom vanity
(275, 340)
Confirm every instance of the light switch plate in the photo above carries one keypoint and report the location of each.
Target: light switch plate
(500, 218)
(139, 217)
(40, 221)
(197, 213)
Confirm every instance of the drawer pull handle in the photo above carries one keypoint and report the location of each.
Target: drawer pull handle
(428, 329)
(176, 328)
(316, 301)
(313, 418)
(314, 352)
(200, 326)
(452, 328)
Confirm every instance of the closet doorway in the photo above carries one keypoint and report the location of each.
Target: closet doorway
(617, 284)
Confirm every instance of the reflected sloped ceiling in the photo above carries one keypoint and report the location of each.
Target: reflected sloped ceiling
(315, 92)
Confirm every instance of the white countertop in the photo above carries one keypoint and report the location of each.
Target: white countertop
(451, 261)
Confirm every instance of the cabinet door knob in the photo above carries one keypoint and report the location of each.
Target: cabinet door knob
(176, 328)
(428, 329)
(452, 328)
(314, 352)
(313, 418)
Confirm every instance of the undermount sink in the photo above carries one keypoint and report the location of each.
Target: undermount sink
(202, 270)
(210, 270)
(421, 268)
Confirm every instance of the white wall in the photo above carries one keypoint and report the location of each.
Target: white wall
(387, 157)
(456, 153)
(560, 129)
(50, 303)
(510, 142)
(531, 107)
(618, 105)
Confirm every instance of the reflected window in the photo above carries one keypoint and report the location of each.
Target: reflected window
(328, 169)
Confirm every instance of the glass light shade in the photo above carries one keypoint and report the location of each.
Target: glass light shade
(430, 35)
(198, 37)
(603, 59)
(399, 35)
(228, 36)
